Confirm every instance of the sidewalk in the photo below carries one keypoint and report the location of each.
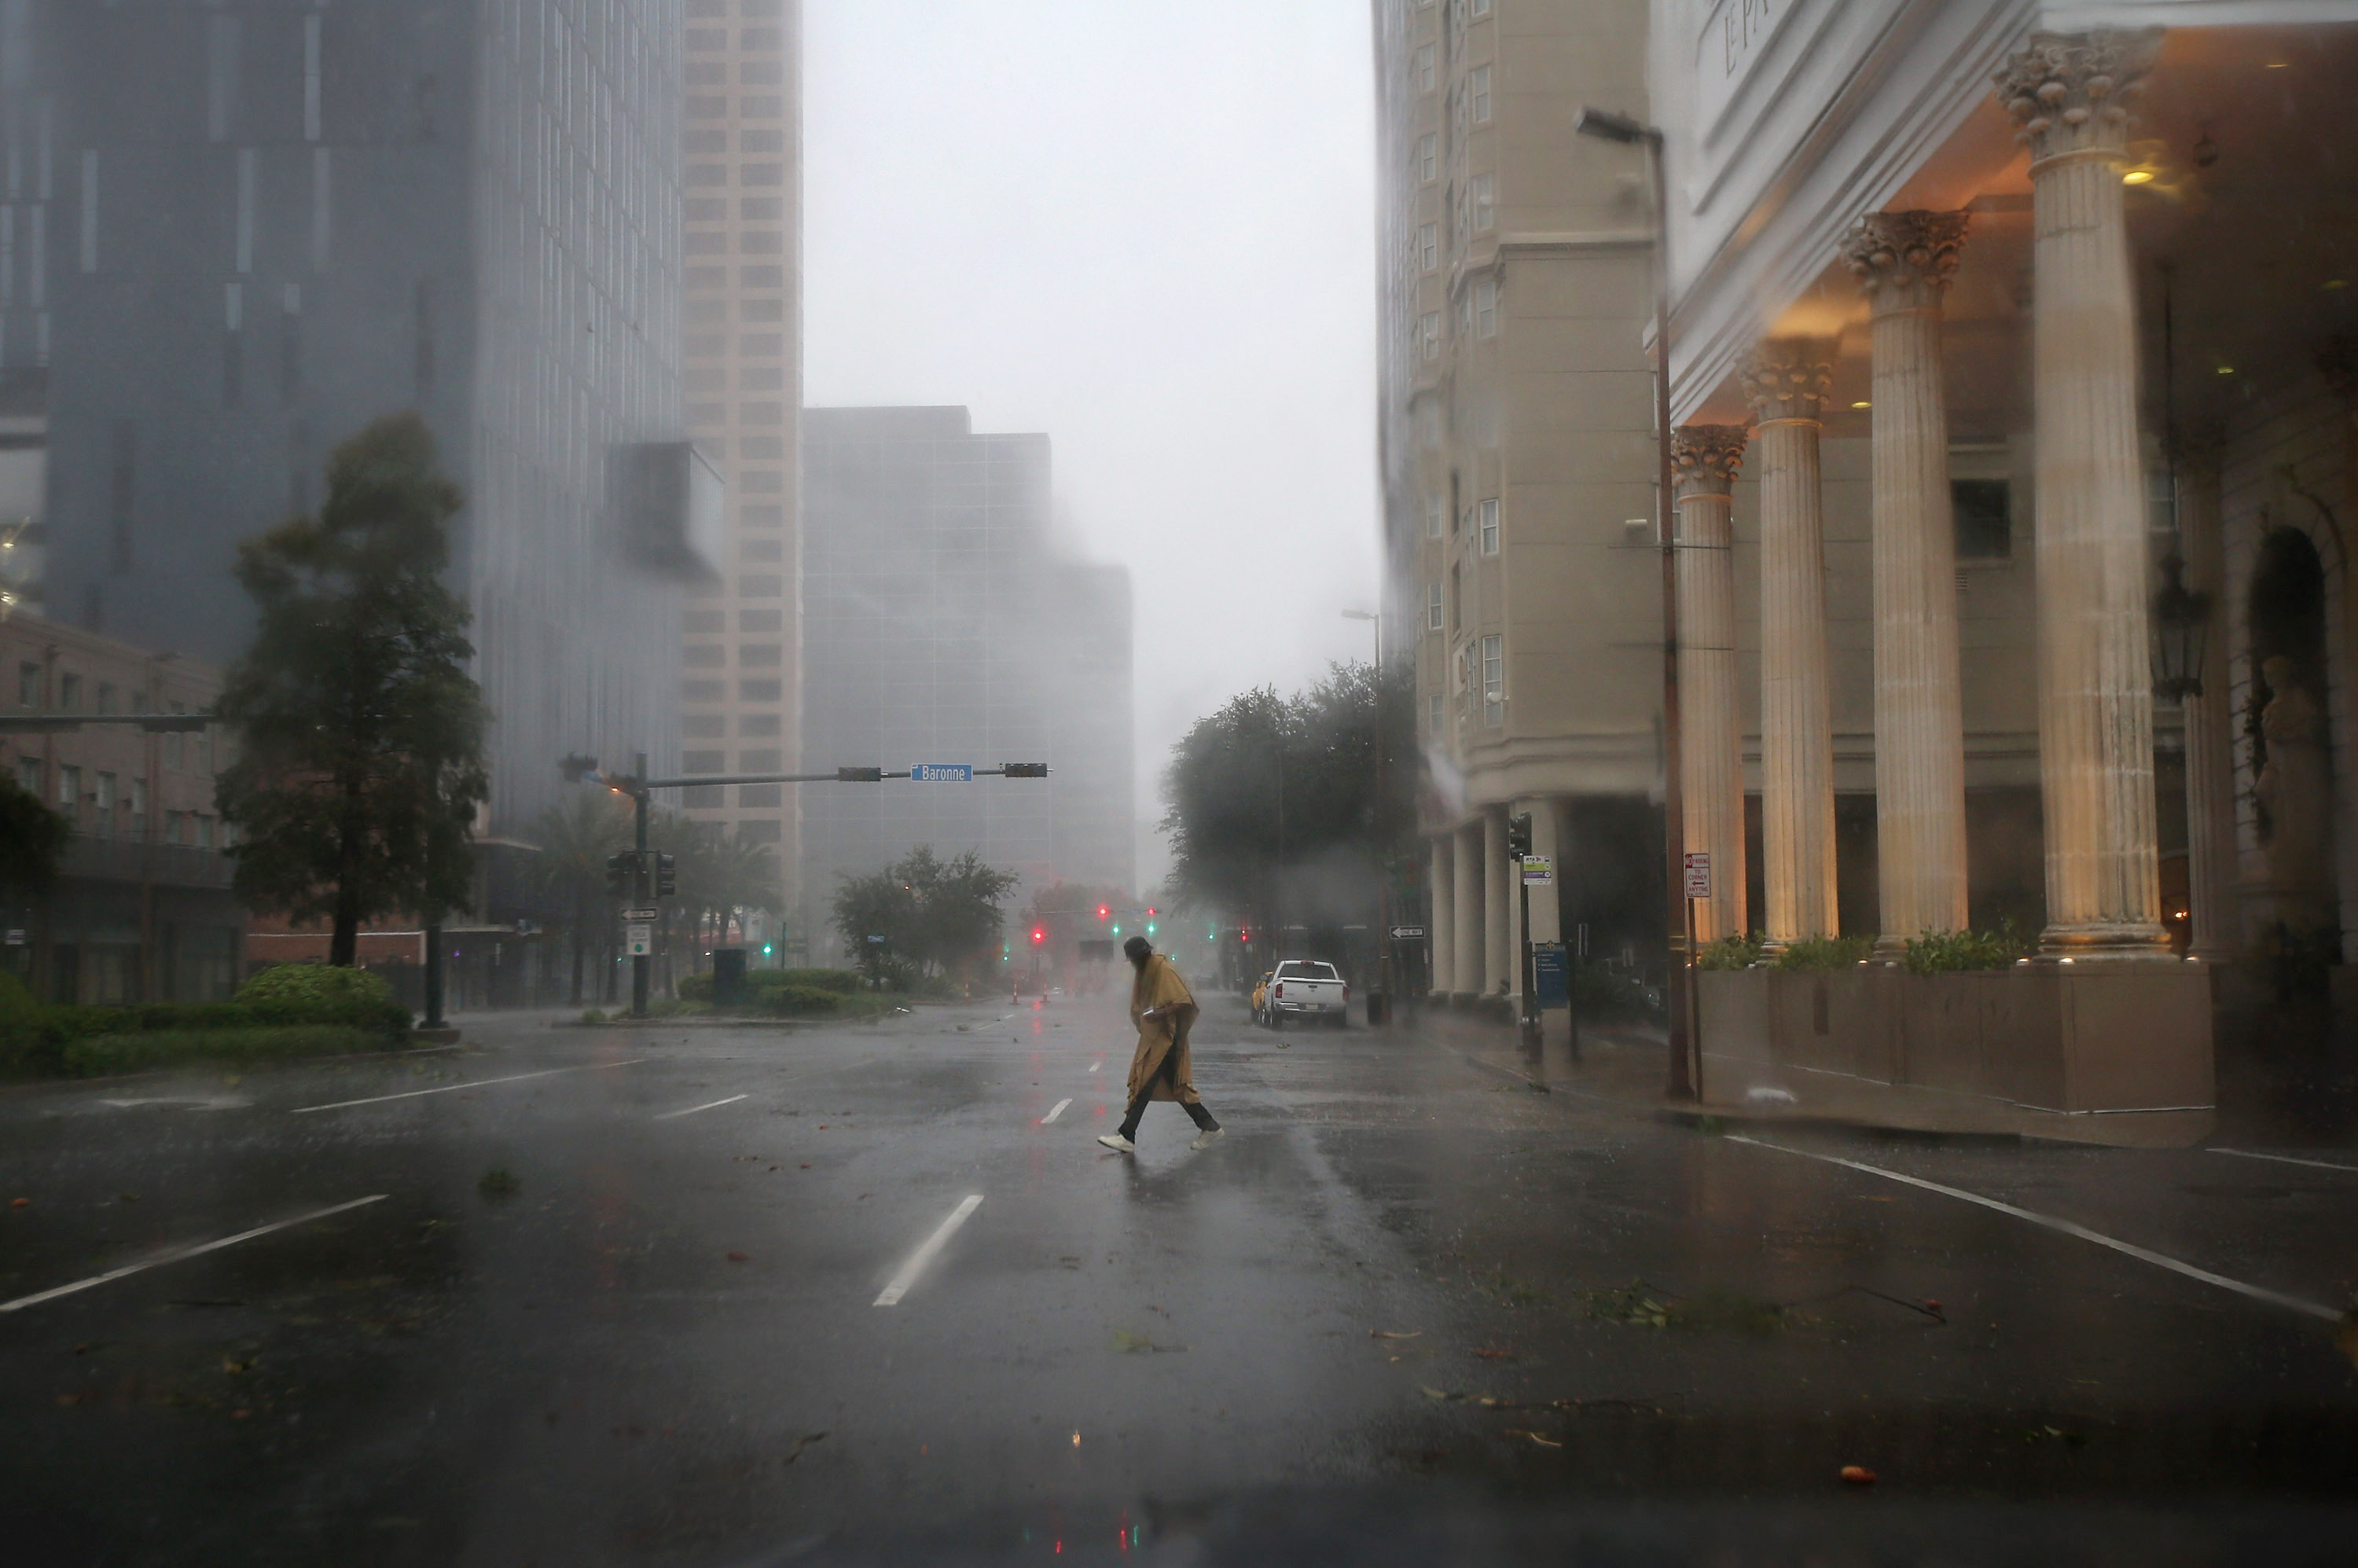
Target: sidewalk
(1630, 1063)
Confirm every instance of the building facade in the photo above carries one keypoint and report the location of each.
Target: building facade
(234, 233)
(941, 624)
(742, 203)
(1980, 283)
(1518, 465)
(142, 910)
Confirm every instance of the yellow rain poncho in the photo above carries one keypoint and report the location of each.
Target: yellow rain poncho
(1159, 989)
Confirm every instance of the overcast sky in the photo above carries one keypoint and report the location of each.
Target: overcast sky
(1147, 230)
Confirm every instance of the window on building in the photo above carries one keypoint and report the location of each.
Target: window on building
(1985, 522)
(139, 806)
(1420, 68)
(1436, 510)
(1494, 678)
(1477, 8)
(174, 825)
(103, 797)
(1457, 594)
(1432, 606)
(1489, 513)
(69, 788)
(70, 694)
(29, 774)
(1485, 308)
(1480, 192)
(1477, 92)
(695, 762)
(1429, 334)
(1435, 716)
(28, 685)
(1428, 158)
(1428, 247)
(106, 697)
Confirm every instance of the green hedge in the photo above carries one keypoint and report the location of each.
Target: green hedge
(355, 1011)
(769, 984)
(104, 1054)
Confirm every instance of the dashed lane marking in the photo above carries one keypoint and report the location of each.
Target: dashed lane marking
(1095, 1064)
(179, 1254)
(478, 1083)
(2284, 1159)
(1055, 1111)
(2127, 1248)
(925, 1255)
(707, 1105)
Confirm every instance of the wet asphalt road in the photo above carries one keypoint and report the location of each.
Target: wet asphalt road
(1408, 1311)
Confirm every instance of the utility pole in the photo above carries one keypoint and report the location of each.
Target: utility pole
(1519, 850)
(1624, 131)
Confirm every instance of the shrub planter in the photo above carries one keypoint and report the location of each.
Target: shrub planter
(1732, 1012)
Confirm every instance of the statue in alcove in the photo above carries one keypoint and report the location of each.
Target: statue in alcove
(2295, 786)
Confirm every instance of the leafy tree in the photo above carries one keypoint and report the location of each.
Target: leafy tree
(32, 839)
(932, 914)
(361, 756)
(723, 875)
(1269, 782)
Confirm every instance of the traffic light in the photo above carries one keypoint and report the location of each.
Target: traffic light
(1518, 836)
(666, 876)
(1103, 911)
(1025, 770)
(1039, 935)
(1150, 925)
(618, 873)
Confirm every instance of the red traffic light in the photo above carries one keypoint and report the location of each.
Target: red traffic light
(1039, 934)
(1103, 911)
(1150, 911)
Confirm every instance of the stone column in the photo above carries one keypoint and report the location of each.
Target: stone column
(1787, 381)
(1440, 925)
(1466, 948)
(2210, 718)
(1903, 261)
(1704, 459)
(1497, 923)
(2068, 94)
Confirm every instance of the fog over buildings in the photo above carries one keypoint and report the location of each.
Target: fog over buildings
(1146, 231)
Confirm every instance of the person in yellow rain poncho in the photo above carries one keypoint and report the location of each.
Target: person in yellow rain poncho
(1164, 1009)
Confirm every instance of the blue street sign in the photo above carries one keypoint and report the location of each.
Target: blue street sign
(1552, 975)
(942, 773)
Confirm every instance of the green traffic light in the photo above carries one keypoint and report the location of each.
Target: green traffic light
(1116, 930)
(1149, 928)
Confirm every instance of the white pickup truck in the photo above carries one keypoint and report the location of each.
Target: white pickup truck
(1304, 989)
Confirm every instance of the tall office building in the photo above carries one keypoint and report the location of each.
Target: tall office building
(941, 624)
(234, 233)
(743, 378)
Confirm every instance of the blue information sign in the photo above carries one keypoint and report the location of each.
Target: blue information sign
(1553, 976)
(942, 773)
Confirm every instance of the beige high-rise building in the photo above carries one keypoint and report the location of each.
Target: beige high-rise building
(1518, 460)
(742, 206)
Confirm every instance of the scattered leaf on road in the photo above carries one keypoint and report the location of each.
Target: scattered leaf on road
(740, 1258)
(1395, 1333)
(1858, 1475)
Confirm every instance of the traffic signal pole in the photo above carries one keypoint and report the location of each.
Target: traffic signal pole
(647, 881)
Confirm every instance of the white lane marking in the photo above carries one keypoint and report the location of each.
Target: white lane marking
(707, 1105)
(175, 1257)
(1095, 1064)
(2159, 1260)
(2284, 1159)
(925, 1255)
(478, 1083)
(1055, 1111)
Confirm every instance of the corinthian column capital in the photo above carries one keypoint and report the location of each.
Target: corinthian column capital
(1904, 260)
(2071, 92)
(1788, 378)
(1705, 458)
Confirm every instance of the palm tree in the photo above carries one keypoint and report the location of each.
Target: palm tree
(575, 840)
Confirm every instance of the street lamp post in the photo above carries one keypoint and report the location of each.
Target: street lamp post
(1379, 1005)
(1622, 131)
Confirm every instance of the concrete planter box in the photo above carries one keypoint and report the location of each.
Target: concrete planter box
(2083, 1038)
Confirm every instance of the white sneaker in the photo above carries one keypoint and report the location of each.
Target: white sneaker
(1206, 1137)
(1118, 1143)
